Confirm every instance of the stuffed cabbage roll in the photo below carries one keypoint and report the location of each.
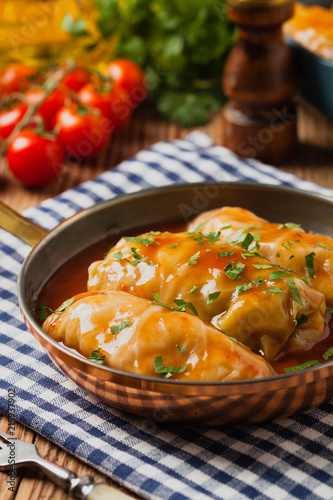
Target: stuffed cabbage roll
(134, 335)
(309, 255)
(235, 289)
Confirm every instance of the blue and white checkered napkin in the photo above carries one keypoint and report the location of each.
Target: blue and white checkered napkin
(290, 458)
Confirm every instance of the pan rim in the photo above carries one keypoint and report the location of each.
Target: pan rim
(287, 380)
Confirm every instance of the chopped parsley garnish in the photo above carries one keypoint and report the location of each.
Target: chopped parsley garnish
(181, 349)
(225, 227)
(262, 266)
(210, 237)
(328, 354)
(225, 254)
(194, 289)
(289, 225)
(197, 229)
(274, 290)
(305, 279)
(239, 236)
(94, 356)
(194, 259)
(154, 233)
(243, 288)
(307, 364)
(143, 241)
(234, 271)
(259, 281)
(212, 297)
(301, 320)
(288, 245)
(174, 245)
(277, 275)
(294, 290)
(42, 309)
(167, 371)
(136, 257)
(116, 329)
(329, 309)
(150, 263)
(323, 246)
(309, 264)
(200, 244)
(247, 241)
(277, 254)
(118, 256)
(231, 338)
(291, 257)
(180, 303)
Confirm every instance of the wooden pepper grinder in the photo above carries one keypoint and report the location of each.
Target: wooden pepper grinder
(260, 80)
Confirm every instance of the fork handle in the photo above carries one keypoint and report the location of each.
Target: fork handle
(84, 487)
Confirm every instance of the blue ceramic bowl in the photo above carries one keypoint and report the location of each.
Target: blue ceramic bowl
(316, 75)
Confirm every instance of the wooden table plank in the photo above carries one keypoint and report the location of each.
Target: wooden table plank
(314, 162)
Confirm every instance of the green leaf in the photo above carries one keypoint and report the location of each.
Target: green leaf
(243, 288)
(262, 266)
(234, 271)
(194, 289)
(167, 371)
(225, 254)
(212, 297)
(194, 259)
(277, 275)
(309, 264)
(118, 256)
(181, 349)
(183, 305)
(66, 304)
(77, 27)
(307, 364)
(274, 290)
(294, 290)
(118, 328)
(259, 281)
(301, 320)
(174, 245)
(323, 246)
(94, 356)
(328, 353)
(247, 241)
(289, 225)
(277, 254)
(156, 296)
(143, 241)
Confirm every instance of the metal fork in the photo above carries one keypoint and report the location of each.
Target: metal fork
(16, 453)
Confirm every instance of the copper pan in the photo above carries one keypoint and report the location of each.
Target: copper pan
(210, 403)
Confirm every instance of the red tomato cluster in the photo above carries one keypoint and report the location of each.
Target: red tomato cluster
(72, 114)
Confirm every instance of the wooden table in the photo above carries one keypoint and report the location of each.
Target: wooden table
(314, 162)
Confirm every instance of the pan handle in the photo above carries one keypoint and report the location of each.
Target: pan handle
(19, 226)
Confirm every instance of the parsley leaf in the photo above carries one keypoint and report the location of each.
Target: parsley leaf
(94, 356)
(328, 353)
(116, 329)
(174, 245)
(194, 289)
(263, 266)
(167, 371)
(118, 256)
(309, 264)
(294, 290)
(212, 297)
(323, 246)
(289, 225)
(259, 281)
(301, 320)
(243, 288)
(307, 364)
(277, 275)
(143, 241)
(181, 349)
(194, 259)
(274, 290)
(234, 271)
(225, 254)
(42, 309)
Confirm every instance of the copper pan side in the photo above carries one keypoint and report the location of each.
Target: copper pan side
(159, 400)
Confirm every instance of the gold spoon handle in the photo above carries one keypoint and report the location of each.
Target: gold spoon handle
(19, 226)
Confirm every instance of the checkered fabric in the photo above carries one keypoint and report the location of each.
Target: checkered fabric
(290, 458)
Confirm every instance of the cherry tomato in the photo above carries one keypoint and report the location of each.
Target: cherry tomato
(83, 132)
(76, 79)
(50, 107)
(35, 159)
(115, 105)
(9, 118)
(130, 77)
(15, 77)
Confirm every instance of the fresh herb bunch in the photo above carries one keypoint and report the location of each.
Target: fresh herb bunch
(182, 44)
